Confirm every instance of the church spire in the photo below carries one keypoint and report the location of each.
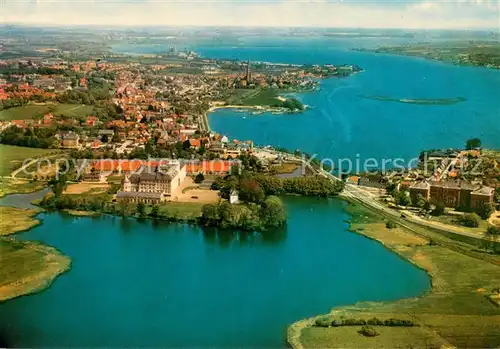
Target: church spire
(248, 75)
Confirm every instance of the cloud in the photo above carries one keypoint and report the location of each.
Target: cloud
(468, 14)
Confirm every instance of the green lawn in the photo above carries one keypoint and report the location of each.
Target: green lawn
(181, 210)
(36, 111)
(12, 157)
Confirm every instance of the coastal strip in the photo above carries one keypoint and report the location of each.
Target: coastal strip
(458, 311)
(40, 264)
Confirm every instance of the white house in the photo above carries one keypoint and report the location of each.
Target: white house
(233, 197)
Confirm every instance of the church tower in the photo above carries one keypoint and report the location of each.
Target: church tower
(127, 186)
(248, 75)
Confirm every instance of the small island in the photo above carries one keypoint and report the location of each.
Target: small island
(420, 101)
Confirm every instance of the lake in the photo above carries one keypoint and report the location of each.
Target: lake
(139, 284)
(341, 124)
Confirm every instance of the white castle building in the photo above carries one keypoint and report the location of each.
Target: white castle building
(153, 185)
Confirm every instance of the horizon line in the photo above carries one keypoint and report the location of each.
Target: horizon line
(123, 26)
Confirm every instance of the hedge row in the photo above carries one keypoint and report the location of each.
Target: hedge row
(326, 322)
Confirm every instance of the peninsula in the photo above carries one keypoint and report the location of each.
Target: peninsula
(40, 264)
(474, 53)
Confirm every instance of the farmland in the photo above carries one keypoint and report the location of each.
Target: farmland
(35, 111)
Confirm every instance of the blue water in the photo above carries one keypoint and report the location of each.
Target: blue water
(141, 284)
(342, 124)
(138, 284)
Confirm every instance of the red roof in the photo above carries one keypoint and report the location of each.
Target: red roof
(106, 165)
(195, 142)
(215, 166)
(130, 165)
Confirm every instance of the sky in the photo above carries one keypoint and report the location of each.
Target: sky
(415, 14)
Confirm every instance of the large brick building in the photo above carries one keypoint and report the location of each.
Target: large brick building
(453, 193)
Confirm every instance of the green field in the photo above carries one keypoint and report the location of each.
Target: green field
(251, 97)
(457, 312)
(37, 111)
(12, 157)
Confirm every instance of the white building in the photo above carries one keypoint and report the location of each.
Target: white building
(162, 181)
(233, 197)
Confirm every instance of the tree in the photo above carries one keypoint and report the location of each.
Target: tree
(124, 209)
(210, 215)
(421, 202)
(368, 331)
(392, 189)
(250, 190)
(199, 178)
(141, 209)
(150, 146)
(493, 232)
(485, 211)
(155, 211)
(470, 220)
(427, 206)
(390, 225)
(116, 138)
(404, 198)
(58, 185)
(473, 143)
(273, 212)
(438, 209)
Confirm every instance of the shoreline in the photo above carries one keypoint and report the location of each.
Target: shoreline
(425, 57)
(44, 263)
(205, 125)
(417, 251)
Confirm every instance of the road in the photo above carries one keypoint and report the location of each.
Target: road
(354, 192)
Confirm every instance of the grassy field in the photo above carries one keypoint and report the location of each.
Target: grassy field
(253, 97)
(285, 167)
(16, 220)
(181, 210)
(451, 220)
(12, 157)
(27, 267)
(457, 312)
(33, 111)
